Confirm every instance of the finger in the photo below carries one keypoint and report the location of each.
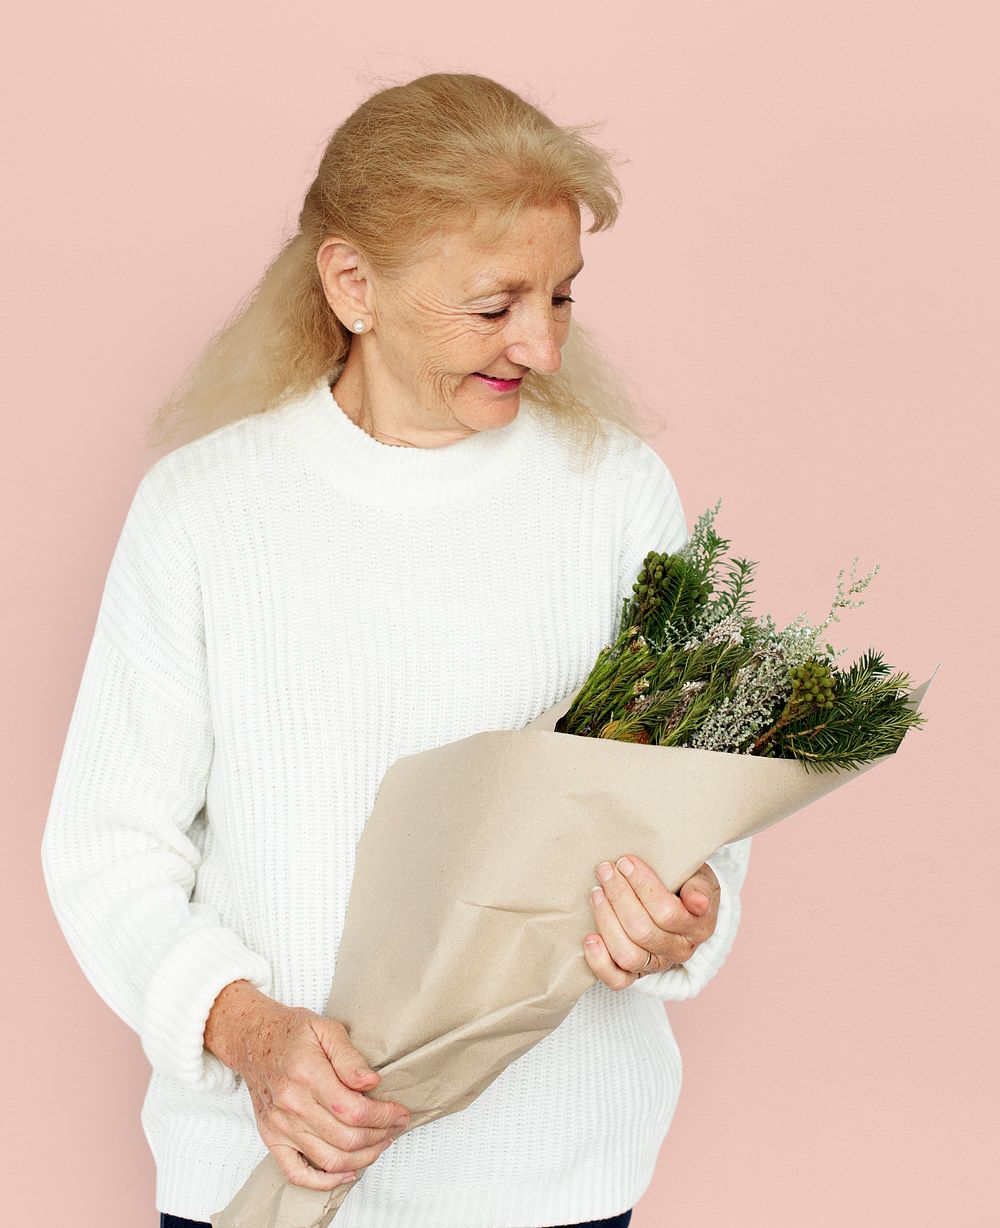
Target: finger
(349, 1064)
(354, 1109)
(634, 913)
(700, 894)
(303, 1113)
(626, 952)
(332, 1110)
(329, 1088)
(331, 1159)
(701, 886)
(603, 966)
(299, 1171)
(666, 909)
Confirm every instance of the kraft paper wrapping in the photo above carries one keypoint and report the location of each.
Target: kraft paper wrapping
(463, 940)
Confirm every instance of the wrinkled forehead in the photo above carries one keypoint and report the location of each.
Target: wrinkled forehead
(496, 279)
(544, 243)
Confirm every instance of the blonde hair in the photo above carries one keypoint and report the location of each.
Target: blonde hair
(437, 153)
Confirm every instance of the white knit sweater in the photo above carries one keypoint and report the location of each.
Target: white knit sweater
(291, 606)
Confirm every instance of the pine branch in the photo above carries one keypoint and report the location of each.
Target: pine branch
(868, 719)
(687, 668)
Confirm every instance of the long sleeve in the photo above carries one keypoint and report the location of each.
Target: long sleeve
(293, 607)
(655, 521)
(118, 862)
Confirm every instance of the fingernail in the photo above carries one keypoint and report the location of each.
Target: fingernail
(362, 1072)
(625, 866)
(401, 1122)
(598, 894)
(604, 871)
(701, 899)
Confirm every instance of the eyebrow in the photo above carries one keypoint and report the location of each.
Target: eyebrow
(511, 285)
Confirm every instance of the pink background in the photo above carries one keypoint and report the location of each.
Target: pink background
(803, 281)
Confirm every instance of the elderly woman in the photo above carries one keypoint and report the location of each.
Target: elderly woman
(404, 515)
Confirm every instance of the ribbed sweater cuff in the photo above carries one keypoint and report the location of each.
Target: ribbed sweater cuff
(688, 979)
(180, 996)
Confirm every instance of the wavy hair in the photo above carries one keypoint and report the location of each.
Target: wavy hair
(437, 153)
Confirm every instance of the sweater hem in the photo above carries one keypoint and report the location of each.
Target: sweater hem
(597, 1187)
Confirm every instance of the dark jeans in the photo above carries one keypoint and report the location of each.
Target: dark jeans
(616, 1221)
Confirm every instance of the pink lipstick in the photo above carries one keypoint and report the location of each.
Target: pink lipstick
(498, 385)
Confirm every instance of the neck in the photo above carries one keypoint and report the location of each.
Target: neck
(363, 418)
(357, 391)
(375, 473)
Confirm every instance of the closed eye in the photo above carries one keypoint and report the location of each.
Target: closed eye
(559, 301)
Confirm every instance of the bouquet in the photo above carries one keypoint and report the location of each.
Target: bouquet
(697, 726)
(691, 669)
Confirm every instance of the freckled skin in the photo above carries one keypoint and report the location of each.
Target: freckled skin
(408, 379)
(311, 1109)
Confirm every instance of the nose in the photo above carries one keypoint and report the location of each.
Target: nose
(539, 344)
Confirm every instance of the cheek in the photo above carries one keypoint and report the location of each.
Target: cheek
(439, 343)
(444, 368)
(458, 349)
(447, 339)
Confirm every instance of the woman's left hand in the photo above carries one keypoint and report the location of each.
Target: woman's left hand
(638, 918)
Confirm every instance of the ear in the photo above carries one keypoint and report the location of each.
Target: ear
(345, 286)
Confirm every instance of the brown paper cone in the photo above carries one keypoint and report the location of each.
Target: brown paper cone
(486, 848)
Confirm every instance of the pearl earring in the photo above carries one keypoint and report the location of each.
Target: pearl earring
(359, 326)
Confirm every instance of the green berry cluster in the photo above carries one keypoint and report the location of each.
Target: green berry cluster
(668, 585)
(649, 578)
(812, 683)
(656, 567)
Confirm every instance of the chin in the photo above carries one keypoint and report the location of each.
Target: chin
(485, 410)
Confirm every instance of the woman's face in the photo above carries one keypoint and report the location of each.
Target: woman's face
(464, 309)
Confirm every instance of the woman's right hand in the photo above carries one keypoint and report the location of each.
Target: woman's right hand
(304, 1079)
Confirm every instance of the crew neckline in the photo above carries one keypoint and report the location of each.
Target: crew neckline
(393, 475)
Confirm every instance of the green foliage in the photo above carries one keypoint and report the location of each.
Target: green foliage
(667, 594)
(866, 718)
(690, 666)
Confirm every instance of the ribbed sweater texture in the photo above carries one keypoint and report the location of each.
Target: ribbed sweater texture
(291, 606)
